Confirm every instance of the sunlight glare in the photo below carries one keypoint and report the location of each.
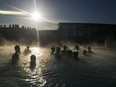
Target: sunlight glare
(37, 16)
(36, 51)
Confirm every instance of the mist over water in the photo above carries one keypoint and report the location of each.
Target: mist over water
(94, 70)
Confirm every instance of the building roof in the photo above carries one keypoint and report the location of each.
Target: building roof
(74, 23)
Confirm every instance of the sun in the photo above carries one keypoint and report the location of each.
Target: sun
(36, 16)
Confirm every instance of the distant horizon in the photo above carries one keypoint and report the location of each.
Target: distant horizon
(20, 26)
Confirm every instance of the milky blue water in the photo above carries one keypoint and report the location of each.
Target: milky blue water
(97, 70)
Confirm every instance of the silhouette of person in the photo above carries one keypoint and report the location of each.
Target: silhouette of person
(57, 53)
(64, 51)
(32, 62)
(52, 50)
(85, 52)
(89, 50)
(75, 55)
(15, 56)
(76, 47)
(27, 51)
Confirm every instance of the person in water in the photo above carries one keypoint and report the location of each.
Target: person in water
(89, 50)
(64, 51)
(52, 50)
(75, 55)
(85, 52)
(32, 62)
(15, 56)
(57, 53)
(27, 51)
(77, 48)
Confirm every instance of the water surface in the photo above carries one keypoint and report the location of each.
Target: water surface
(97, 70)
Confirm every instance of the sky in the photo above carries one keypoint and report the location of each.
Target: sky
(55, 11)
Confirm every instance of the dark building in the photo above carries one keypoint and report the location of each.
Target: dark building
(16, 33)
(77, 32)
(49, 36)
(87, 31)
(27, 35)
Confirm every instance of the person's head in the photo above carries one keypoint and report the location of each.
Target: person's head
(65, 47)
(17, 48)
(53, 48)
(58, 49)
(33, 58)
(84, 52)
(28, 47)
(89, 47)
(76, 46)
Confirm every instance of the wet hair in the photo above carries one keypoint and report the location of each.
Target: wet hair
(33, 58)
(17, 48)
(32, 62)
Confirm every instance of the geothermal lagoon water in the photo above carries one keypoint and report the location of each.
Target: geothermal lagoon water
(97, 70)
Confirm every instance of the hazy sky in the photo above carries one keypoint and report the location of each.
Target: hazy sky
(84, 11)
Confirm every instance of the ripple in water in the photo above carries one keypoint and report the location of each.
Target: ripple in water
(33, 73)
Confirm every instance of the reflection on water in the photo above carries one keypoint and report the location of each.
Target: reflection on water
(34, 71)
(98, 69)
(36, 51)
(35, 77)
